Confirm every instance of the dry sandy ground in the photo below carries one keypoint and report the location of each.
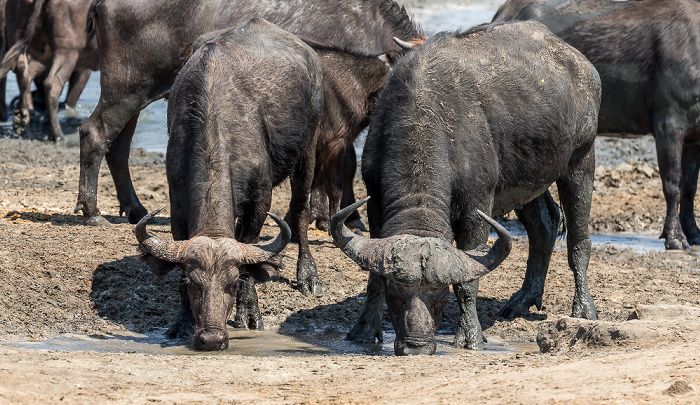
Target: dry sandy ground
(58, 277)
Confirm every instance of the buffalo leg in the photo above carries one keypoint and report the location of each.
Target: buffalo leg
(334, 185)
(247, 310)
(470, 231)
(3, 101)
(691, 166)
(250, 224)
(299, 211)
(349, 169)
(61, 69)
(76, 85)
(575, 192)
(368, 327)
(184, 324)
(540, 217)
(25, 72)
(118, 162)
(668, 150)
(319, 208)
(113, 122)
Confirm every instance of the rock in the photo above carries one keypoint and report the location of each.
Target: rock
(649, 312)
(646, 170)
(575, 334)
(679, 387)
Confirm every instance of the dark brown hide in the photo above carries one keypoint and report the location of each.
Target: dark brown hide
(141, 44)
(242, 117)
(48, 45)
(647, 55)
(486, 119)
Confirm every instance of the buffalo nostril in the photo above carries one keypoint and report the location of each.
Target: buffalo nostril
(211, 340)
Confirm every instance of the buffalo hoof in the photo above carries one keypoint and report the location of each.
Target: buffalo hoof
(311, 286)
(182, 328)
(20, 123)
(133, 213)
(366, 330)
(97, 220)
(307, 276)
(248, 318)
(676, 244)
(584, 308)
(322, 224)
(471, 339)
(519, 305)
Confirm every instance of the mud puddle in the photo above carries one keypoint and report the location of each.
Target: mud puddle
(251, 343)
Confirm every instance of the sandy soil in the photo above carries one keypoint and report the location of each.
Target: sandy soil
(59, 277)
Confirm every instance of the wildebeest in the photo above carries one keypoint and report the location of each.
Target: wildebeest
(242, 117)
(48, 42)
(647, 54)
(483, 119)
(140, 53)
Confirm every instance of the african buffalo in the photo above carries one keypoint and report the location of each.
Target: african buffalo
(485, 119)
(48, 42)
(141, 46)
(242, 117)
(647, 53)
(351, 84)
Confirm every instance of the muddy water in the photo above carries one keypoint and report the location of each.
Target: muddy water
(251, 343)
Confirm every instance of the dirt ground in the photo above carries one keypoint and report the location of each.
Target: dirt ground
(59, 279)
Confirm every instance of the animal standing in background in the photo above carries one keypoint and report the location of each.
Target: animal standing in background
(648, 55)
(139, 62)
(47, 42)
(140, 53)
(351, 84)
(242, 117)
(487, 120)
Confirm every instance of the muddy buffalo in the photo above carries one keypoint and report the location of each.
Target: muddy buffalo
(485, 119)
(647, 55)
(47, 44)
(141, 46)
(242, 117)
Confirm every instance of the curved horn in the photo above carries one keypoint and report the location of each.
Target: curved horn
(263, 252)
(403, 44)
(168, 251)
(476, 264)
(367, 253)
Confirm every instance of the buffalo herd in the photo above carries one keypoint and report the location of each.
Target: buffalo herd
(464, 126)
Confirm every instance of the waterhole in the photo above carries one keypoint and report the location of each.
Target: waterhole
(251, 343)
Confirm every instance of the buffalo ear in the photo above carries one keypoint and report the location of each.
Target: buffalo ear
(389, 59)
(263, 271)
(159, 267)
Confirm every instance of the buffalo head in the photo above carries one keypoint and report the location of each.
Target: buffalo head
(418, 272)
(211, 267)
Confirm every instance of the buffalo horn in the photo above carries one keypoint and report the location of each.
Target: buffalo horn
(477, 265)
(262, 252)
(367, 253)
(403, 44)
(168, 251)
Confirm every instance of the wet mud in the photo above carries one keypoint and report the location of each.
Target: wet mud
(83, 318)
